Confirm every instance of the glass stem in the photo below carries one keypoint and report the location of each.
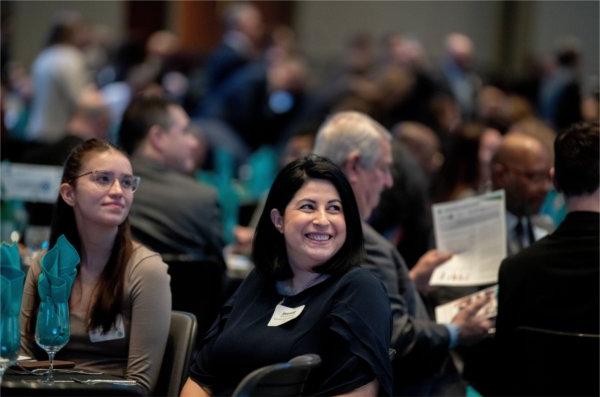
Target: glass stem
(50, 377)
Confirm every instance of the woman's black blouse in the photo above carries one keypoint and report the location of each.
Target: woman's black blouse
(346, 320)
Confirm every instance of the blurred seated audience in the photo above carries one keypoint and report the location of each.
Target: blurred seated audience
(299, 145)
(458, 73)
(553, 284)
(240, 46)
(349, 84)
(424, 145)
(59, 76)
(90, 120)
(173, 213)
(307, 294)
(492, 105)
(559, 97)
(121, 291)
(140, 80)
(459, 177)
(406, 83)
(262, 102)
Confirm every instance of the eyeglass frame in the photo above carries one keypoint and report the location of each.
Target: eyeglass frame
(135, 179)
(531, 176)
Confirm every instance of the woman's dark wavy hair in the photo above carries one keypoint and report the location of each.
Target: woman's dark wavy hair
(110, 288)
(268, 250)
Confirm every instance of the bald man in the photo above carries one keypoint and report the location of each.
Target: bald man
(521, 167)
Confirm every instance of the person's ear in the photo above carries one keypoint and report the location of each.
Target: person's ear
(67, 192)
(156, 137)
(277, 220)
(351, 166)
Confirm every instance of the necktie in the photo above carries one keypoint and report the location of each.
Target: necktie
(519, 234)
(530, 234)
(524, 237)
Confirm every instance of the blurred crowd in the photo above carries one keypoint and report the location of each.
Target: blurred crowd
(258, 90)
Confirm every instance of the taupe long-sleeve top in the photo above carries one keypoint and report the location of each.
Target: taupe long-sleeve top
(146, 318)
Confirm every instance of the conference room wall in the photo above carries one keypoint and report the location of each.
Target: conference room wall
(504, 32)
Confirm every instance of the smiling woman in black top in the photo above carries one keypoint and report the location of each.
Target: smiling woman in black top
(307, 249)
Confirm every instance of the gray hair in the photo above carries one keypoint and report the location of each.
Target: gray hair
(350, 132)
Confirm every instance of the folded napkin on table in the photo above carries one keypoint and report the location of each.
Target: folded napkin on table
(11, 280)
(58, 272)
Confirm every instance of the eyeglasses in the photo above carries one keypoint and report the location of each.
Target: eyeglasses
(532, 176)
(106, 179)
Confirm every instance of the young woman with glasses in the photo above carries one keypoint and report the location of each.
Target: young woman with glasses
(120, 302)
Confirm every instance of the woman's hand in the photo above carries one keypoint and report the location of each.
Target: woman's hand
(192, 389)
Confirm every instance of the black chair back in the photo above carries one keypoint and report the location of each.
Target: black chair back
(553, 363)
(281, 380)
(197, 288)
(178, 353)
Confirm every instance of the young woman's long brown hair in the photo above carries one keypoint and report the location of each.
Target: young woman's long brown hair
(107, 304)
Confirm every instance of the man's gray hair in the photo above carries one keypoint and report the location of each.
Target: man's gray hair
(345, 133)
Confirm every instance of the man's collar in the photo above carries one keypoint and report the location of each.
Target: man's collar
(511, 220)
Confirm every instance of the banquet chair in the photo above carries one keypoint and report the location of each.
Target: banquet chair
(178, 352)
(282, 379)
(197, 288)
(548, 362)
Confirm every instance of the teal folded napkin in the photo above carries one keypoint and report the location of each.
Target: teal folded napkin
(11, 280)
(58, 272)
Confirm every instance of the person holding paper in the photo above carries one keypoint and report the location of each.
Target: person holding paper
(119, 295)
(361, 147)
(307, 294)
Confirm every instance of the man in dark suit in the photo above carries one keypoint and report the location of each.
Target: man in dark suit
(553, 284)
(362, 149)
(521, 167)
(172, 213)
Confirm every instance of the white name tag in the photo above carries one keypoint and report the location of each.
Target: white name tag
(283, 314)
(116, 332)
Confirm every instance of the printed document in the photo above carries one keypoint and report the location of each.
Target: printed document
(446, 312)
(474, 230)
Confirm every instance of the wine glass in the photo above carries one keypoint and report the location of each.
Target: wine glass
(52, 331)
(9, 342)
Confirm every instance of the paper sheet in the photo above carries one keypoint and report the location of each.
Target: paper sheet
(474, 229)
(446, 312)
